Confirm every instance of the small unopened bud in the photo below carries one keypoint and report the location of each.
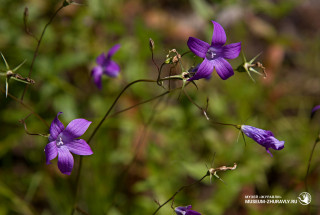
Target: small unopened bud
(168, 60)
(151, 44)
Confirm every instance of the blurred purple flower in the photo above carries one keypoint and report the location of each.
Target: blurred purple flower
(105, 66)
(314, 110)
(185, 210)
(214, 55)
(263, 137)
(62, 141)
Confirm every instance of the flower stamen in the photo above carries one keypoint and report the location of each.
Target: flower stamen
(60, 143)
(211, 53)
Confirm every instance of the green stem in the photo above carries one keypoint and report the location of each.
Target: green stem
(204, 111)
(309, 163)
(38, 46)
(101, 122)
(113, 104)
(159, 74)
(138, 104)
(26, 106)
(178, 191)
(95, 131)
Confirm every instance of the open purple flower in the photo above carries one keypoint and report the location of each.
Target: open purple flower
(105, 66)
(62, 141)
(214, 55)
(185, 210)
(263, 137)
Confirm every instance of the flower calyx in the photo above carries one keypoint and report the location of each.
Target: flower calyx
(10, 74)
(250, 66)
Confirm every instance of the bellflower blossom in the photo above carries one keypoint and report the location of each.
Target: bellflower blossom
(105, 66)
(185, 210)
(214, 55)
(263, 137)
(62, 141)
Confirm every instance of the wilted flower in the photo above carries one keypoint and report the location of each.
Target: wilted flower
(263, 137)
(62, 141)
(185, 210)
(214, 55)
(105, 66)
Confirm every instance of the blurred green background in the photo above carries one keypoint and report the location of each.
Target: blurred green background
(171, 139)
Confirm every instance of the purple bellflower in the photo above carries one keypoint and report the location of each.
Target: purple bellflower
(185, 210)
(105, 66)
(62, 141)
(263, 137)
(214, 55)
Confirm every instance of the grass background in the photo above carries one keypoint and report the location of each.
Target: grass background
(171, 139)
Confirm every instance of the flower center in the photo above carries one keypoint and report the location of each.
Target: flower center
(180, 211)
(59, 142)
(211, 53)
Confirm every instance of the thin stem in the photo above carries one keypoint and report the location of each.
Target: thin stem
(77, 186)
(138, 104)
(187, 52)
(29, 133)
(113, 104)
(95, 131)
(122, 175)
(193, 102)
(38, 46)
(205, 112)
(81, 211)
(309, 163)
(221, 123)
(159, 74)
(179, 190)
(26, 106)
(25, 21)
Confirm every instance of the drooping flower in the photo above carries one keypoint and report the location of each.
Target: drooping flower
(214, 55)
(263, 137)
(185, 210)
(105, 66)
(62, 141)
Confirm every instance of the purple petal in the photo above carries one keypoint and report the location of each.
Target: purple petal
(219, 37)
(192, 212)
(112, 69)
(223, 68)
(97, 76)
(79, 147)
(65, 160)
(51, 151)
(76, 128)
(274, 143)
(313, 111)
(113, 50)
(263, 137)
(56, 128)
(269, 152)
(101, 59)
(231, 51)
(204, 71)
(198, 47)
(255, 133)
(185, 210)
